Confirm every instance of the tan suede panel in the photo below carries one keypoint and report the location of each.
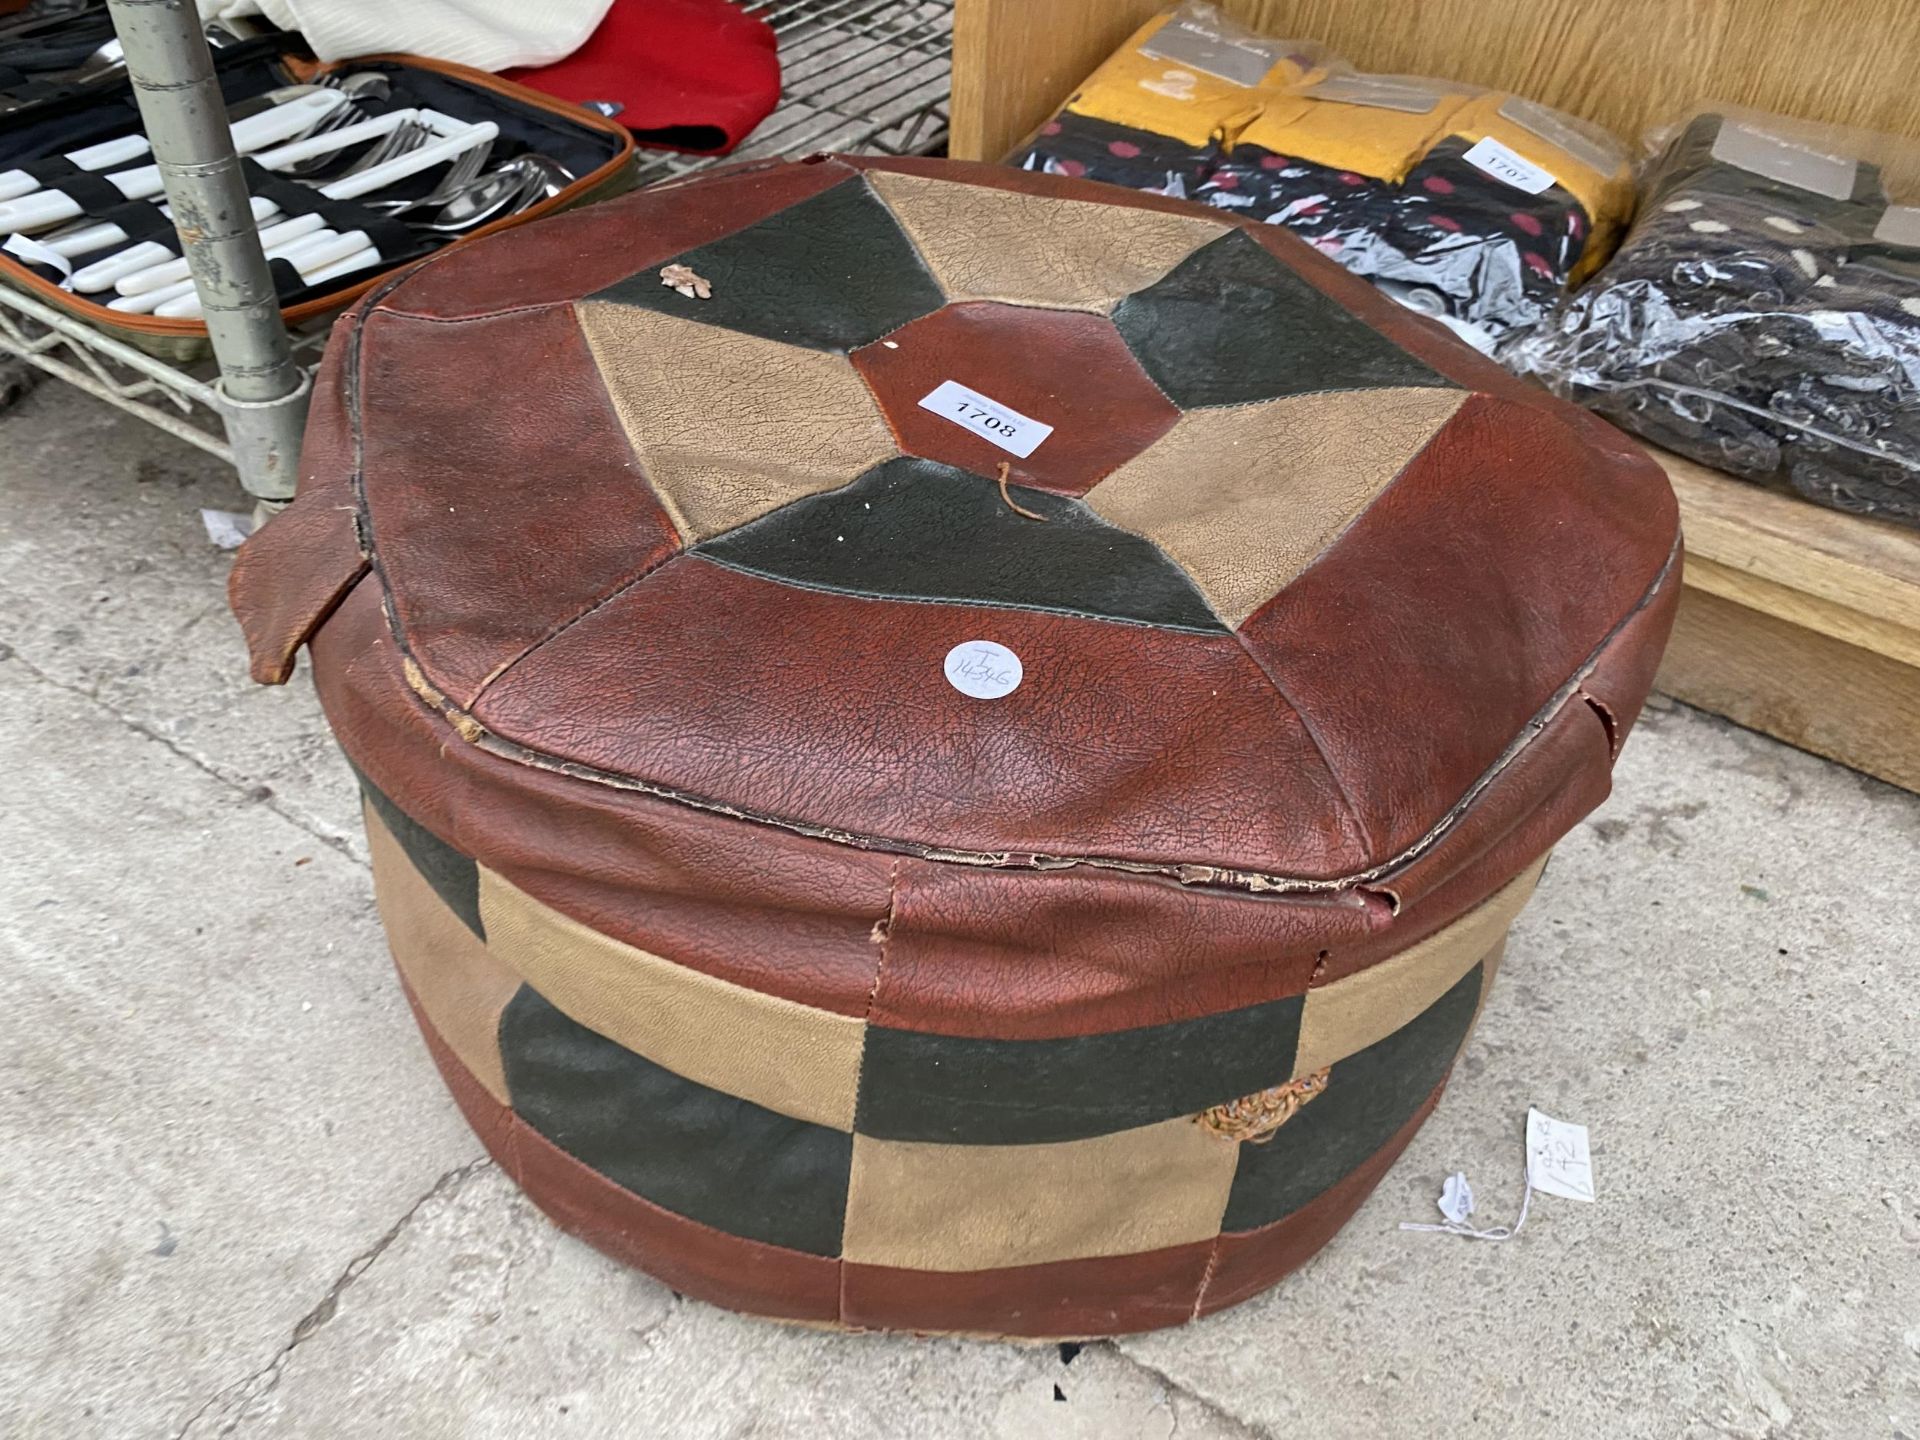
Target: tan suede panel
(788, 1057)
(1245, 497)
(461, 987)
(981, 1207)
(987, 244)
(1340, 1019)
(729, 426)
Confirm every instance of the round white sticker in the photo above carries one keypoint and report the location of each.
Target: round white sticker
(982, 669)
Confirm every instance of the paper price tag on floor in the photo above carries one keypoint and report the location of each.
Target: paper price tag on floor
(1508, 166)
(1558, 1162)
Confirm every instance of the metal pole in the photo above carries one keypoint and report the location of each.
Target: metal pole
(263, 393)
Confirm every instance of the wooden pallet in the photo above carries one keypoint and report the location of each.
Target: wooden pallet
(1798, 621)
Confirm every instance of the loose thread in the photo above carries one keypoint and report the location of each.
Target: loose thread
(1474, 1232)
(1006, 469)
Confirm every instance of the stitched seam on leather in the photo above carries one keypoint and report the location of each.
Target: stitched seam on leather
(499, 671)
(1194, 874)
(350, 384)
(1190, 873)
(566, 625)
(1029, 609)
(884, 933)
(1340, 784)
(470, 319)
(1206, 1277)
(1358, 825)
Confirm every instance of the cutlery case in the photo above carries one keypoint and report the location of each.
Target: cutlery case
(596, 150)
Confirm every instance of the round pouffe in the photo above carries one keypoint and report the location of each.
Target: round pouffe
(947, 748)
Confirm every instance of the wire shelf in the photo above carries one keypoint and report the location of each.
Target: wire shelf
(855, 75)
(868, 76)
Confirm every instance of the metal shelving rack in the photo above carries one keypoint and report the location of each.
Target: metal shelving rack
(856, 75)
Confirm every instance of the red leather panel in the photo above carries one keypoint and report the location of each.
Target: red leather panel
(1014, 955)
(1122, 740)
(1419, 649)
(1109, 1295)
(785, 914)
(487, 544)
(1039, 362)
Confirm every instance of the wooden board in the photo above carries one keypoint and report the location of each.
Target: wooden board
(1625, 63)
(1014, 61)
(1798, 621)
(1842, 701)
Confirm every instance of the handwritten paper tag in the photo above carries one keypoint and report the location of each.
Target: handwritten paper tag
(1508, 166)
(1558, 1162)
(1006, 427)
(983, 670)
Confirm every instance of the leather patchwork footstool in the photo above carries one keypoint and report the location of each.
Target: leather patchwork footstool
(949, 748)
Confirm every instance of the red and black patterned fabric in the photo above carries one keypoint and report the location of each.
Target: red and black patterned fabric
(767, 958)
(1479, 209)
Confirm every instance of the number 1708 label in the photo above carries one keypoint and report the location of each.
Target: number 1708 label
(1013, 432)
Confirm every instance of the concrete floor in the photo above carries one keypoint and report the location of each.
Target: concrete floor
(234, 1199)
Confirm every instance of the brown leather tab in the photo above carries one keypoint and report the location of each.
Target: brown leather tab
(290, 575)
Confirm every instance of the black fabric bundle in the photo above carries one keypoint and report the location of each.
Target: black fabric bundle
(1758, 325)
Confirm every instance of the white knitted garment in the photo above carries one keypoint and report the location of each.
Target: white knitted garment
(486, 34)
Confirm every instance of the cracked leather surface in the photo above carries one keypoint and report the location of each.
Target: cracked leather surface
(986, 244)
(1232, 325)
(528, 549)
(1246, 498)
(837, 708)
(1068, 370)
(727, 425)
(1364, 717)
(1424, 640)
(485, 544)
(916, 530)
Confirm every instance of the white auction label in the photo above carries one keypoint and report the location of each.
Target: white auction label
(1507, 165)
(1558, 1161)
(983, 670)
(1013, 432)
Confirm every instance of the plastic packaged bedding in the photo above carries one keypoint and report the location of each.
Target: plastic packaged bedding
(1763, 315)
(1475, 207)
